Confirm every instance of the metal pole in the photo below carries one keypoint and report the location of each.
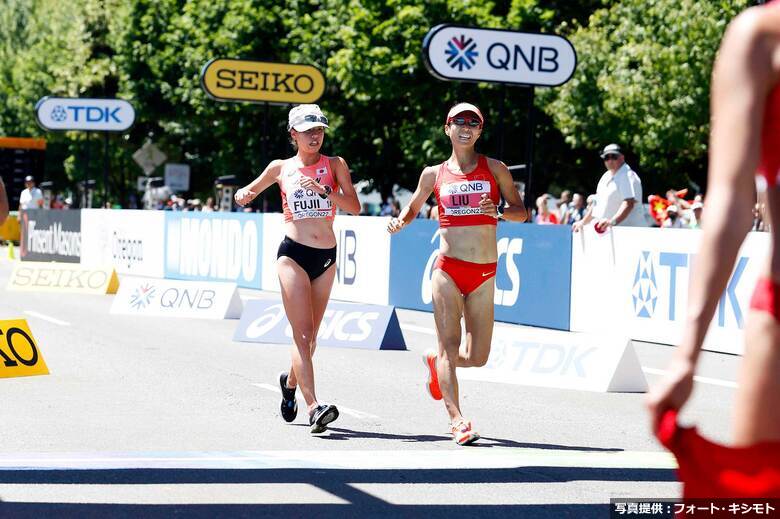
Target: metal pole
(84, 197)
(105, 168)
(529, 161)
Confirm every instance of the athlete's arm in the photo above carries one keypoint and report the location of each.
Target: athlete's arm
(4, 208)
(249, 192)
(741, 80)
(514, 211)
(424, 189)
(344, 196)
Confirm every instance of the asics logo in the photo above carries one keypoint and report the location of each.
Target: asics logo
(327, 263)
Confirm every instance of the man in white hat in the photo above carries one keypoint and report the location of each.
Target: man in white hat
(618, 195)
(31, 196)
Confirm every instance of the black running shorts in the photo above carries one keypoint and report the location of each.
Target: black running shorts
(311, 259)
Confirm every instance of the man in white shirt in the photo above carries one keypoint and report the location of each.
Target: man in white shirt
(3, 202)
(618, 195)
(31, 197)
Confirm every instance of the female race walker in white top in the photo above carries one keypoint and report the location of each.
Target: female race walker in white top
(468, 188)
(312, 186)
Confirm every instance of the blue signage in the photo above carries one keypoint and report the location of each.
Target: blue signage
(344, 325)
(533, 280)
(64, 113)
(214, 247)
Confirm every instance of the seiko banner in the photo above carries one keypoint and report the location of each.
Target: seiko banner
(213, 247)
(344, 325)
(532, 280)
(51, 235)
(259, 81)
(453, 52)
(64, 113)
(63, 277)
(132, 241)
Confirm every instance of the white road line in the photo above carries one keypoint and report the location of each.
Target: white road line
(360, 415)
(438, 459)
(47, 318)
(703, 380)
(652, 371)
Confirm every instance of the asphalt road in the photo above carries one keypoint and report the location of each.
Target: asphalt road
(160, 417)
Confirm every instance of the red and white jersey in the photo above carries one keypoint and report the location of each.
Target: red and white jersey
(458, 195)
(299, 203)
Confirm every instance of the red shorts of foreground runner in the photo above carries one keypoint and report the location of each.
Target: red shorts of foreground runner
(709, 470)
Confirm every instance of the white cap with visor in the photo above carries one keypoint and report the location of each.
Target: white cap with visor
(306, 117)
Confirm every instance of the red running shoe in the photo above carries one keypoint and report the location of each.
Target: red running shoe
(429, 359)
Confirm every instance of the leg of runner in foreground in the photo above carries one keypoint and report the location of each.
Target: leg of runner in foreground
(312, 186)
(468, 188)
(744, 150)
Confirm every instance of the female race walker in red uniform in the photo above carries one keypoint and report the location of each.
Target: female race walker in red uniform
(744, 148)
(468, 188)
(312, 186)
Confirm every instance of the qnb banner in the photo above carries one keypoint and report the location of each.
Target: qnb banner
(213, 247)
(532, 279)
(50, 235)
(634, 281)
(172, 298)
(562, 360)
(63, 277)
(20, 356)
(344, 325)
(132, 241)
(458, 53)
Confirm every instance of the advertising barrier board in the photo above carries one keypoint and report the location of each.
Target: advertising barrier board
(20, 356)
(63, 277)
(344, 325)
(130, 240)
(177, 298)
(213, 247)
(50, 235)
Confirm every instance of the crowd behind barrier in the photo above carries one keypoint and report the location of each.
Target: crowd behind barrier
(629, 281)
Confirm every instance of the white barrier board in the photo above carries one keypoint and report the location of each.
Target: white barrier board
(562, 360)
(177, 298)
(634, 282)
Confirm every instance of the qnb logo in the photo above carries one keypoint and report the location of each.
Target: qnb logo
(504, 296)
(346, 266)
(645, 290)
(461, 53)
(142, 296)
(651, 292)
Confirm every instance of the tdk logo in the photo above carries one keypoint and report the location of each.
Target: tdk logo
(649, 293)
(62, 113)
(90, 114)
(645, 290)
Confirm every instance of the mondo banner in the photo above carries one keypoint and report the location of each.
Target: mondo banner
(51, 235)
(532, 280)
(213, 247)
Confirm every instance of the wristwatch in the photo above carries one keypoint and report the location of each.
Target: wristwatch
(499, 212)
(328, 191)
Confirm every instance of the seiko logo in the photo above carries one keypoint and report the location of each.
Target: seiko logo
(55, 278)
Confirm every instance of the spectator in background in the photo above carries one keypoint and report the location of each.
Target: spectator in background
(673, 219)
(543, 214)
(3, 202)
(618, 194)
(209, 207)
(576, 210)
(31, 197)
(396, 209)
(387, 207)
(563, 206)
(694, 221)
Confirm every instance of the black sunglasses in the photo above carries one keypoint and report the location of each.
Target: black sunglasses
(315, 119)
(611, 157)
(462, 121)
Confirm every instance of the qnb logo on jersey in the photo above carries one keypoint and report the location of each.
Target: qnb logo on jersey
(645, 290)
(504, 295)
(461, 53)
(462, 198)
(225, 249)
(651, 294)
(340, 325)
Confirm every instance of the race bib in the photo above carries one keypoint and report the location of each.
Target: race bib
(306, 203)
(462, 198)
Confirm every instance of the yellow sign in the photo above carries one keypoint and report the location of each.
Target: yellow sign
(62, 277)
(19, 355)
(262, 82)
